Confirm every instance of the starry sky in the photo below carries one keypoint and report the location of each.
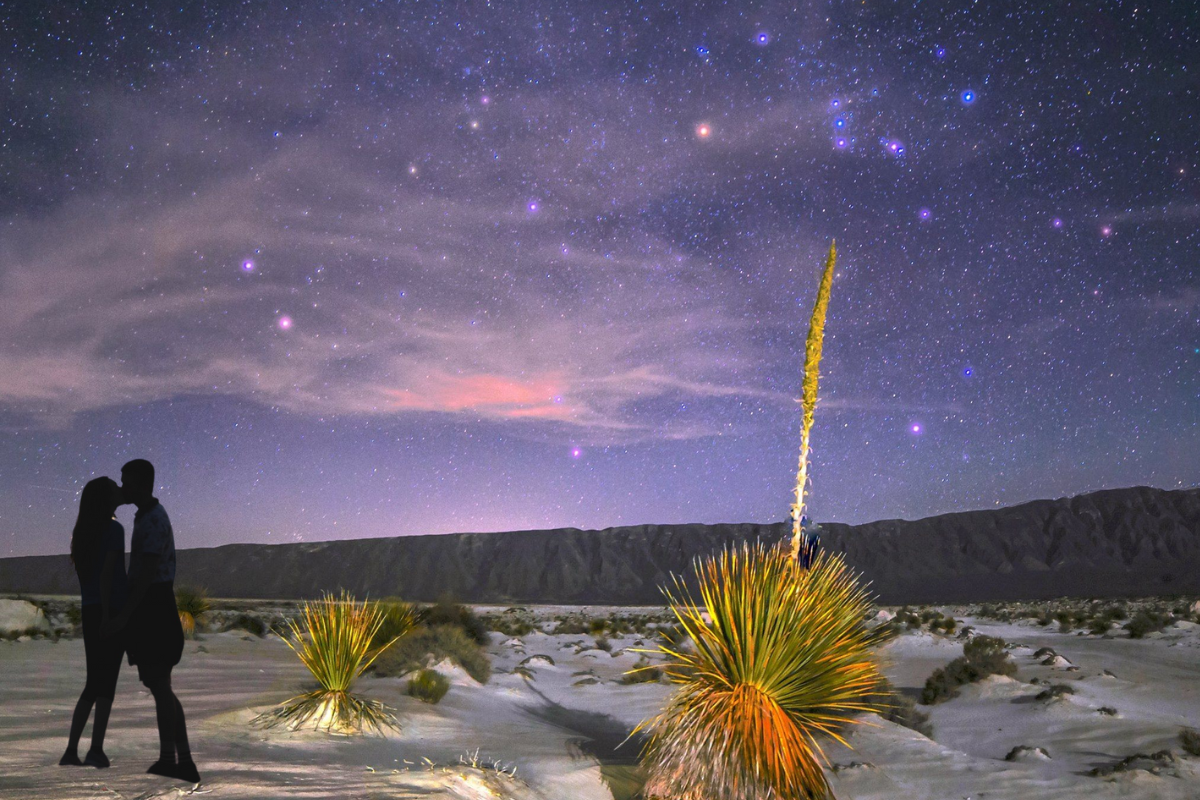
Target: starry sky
(372, 269)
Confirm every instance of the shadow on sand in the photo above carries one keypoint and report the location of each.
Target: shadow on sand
(603, 738)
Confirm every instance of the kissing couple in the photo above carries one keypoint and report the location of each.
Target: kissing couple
(132, 615)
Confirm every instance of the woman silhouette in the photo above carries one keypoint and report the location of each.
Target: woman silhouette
(98, 552)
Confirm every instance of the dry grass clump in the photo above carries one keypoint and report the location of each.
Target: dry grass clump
(982, 656)
(334, 641)
(779, 656)
(1189, 740)
(428, 686)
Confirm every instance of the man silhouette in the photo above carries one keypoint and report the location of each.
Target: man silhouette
(154, 639)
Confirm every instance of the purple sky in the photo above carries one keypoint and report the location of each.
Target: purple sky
(402, 269)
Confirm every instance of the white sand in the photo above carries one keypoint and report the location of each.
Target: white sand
(541, 726)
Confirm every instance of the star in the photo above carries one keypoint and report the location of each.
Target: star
(1057, 222)
(285, 323)
(924, 214)
(703, 130)
(762, 38)
(967, 97)
(248, 265)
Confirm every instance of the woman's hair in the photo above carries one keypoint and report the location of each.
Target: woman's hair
(95, 511)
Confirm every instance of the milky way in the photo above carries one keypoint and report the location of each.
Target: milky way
(406, 268)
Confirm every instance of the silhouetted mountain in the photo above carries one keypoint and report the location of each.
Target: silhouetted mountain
(1120, 542)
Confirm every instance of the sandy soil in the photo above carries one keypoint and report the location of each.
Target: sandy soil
(562, 729)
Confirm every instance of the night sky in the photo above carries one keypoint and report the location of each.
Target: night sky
(394, 268)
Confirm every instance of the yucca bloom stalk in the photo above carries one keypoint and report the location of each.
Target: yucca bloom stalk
(334, 642)
(781, 656)
(808, 399)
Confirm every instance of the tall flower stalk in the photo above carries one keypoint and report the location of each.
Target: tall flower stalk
(808, 397)
(774, 655)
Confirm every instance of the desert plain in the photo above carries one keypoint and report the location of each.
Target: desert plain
(553, 718)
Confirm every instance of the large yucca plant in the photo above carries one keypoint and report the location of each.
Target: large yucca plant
(334, 641)
(779, 657)
(813, 346)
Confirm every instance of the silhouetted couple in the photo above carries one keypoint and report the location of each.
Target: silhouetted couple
(134, 615)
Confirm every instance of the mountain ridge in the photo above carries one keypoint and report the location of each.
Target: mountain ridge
(1114, 542)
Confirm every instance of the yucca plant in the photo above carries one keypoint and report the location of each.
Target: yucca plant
(779, 657)
(813, 347)
(334, 642)
(191, 603)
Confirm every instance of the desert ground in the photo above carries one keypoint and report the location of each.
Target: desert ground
(552, 720)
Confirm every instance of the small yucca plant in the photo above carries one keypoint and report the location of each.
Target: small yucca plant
(781, 656)
(334, 642)
(192, 603)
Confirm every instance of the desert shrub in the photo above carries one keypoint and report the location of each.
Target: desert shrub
(1045, 618)
(399, 618)
(1100, 625)
(428, 686)
(248, 623)
(1142, 761)
(571, 626)
(1145, 621)
(512, 626)
(643, 672)
(1107, 711)
(447, 612)
(982, 656)
(944, 625)
(906, 618)
(423, 644)
(1054, 692)
(333, 639)
(901, 709)
(604, 644)
(75, 616)
(1189, 740)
